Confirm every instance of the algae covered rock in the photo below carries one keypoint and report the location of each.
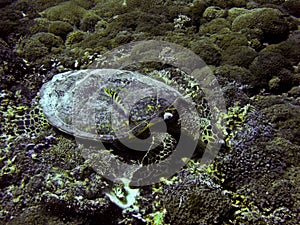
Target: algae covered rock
(289, 48)
(69, 11)
(75, 37)
(295, 92)
(204, 203)
(266, 65)
(39, 47)
(270, 21)
(89, 22)
(214, 26)
(213, 12)
(207, 50)
(12, 22)
(235, 12)
(293, 7)
(234, 73)
(60, 28)
(275, 2)
(226, 4)
(284, 114)
(227, 38)
(239, 56)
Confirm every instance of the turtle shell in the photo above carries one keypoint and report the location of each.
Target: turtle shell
(105, 104)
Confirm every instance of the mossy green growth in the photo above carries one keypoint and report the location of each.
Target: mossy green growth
(47, 39)
(214, 26)
(70, 11)
(270, 21)
(109, 9)
(156, 218)
(65, 151)
(143, 5)
(238, 56)
(60, 28)
(226, 38)
(89, 21)
(75, 37)
(207, 50)
(39, 46)
(234, 120)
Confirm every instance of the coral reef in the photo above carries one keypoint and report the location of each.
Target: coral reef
(252, 48)
(270, 21)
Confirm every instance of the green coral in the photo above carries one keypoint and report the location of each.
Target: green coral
(88, 22)
(176, 202)
(234, 120)
(213, 12)
(39, 46)
(214, 26)
(293, 7)
(156, 218)
(238, 56)
(207, 50)
(270, 21)
(69, 11)
(75, 37)
(266, 65)
(226, 38)
(60, 28)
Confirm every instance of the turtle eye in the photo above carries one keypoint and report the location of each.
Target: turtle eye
(167, 115)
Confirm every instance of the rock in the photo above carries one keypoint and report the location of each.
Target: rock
(39, 47)
(228, 3)
(233, 93)
(265, 66)
(226, 38)
(143, 5)
(238, 56)
(235, 12)
(248, 158)
(272, 200)
(12, 22)
(274, 84)
(5, 3)
(271, 21)
(234, 73)
(214, 26)
(275, 2)
(295, 92)
(208, 51)
(289, 48)
(75, 37)
(88, 23)
(187, 205)
(68, 11)
(213, 12)
(196, 11)
(293, 7)
(60, 28)
(285, 117)
(252, 5)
